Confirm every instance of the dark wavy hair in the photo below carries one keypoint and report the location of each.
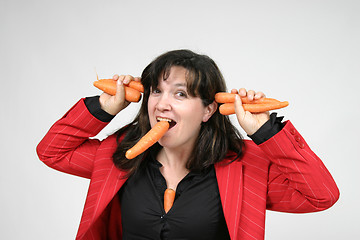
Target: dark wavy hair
(218, 136)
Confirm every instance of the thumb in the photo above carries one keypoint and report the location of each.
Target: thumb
(120, 92)
(239, 110)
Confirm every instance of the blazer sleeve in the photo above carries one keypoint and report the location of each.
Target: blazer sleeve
(298, 180)
(67, 146)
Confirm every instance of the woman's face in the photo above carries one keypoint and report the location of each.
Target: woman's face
(171, 101)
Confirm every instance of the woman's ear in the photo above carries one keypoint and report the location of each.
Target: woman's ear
(209, 111)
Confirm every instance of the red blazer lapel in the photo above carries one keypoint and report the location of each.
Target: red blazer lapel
(230, 182)
(103, 188)
(110, 186)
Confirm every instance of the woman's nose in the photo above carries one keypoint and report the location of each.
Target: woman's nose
(163, 103)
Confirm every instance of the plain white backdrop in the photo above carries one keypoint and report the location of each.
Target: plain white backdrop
(306, 52)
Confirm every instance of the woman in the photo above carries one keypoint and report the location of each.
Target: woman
(223, 184)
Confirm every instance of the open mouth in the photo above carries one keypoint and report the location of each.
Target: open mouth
(172, 123)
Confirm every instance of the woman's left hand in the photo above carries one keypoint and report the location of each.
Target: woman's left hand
(250, 122)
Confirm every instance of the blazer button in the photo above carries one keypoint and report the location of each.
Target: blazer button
(297, 138)
(292, 131)
(301, 145)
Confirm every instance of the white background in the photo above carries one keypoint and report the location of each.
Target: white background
(305, 52)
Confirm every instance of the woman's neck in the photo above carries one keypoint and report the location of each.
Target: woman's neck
(173, 166)
(175, 159)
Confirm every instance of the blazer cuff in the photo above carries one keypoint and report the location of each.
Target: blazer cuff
(93, 105)
(287, 140)
(268, 129)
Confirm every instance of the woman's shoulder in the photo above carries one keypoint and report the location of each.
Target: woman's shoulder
(252, 156)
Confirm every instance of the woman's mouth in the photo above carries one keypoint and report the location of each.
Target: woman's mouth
(172, 123)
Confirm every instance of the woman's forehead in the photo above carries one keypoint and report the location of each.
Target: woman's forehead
(174, 72)
(177, 76)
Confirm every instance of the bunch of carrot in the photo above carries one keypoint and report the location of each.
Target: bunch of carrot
(133, 90)
(254, 106)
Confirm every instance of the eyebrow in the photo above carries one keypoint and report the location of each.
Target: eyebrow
(180, 85)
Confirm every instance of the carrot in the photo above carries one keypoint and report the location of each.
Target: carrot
(148, 139)
(136, 85)
(106, 85)
(254, 106)
(169, 197)
(109, 86)
(223, 97)
(229, 108)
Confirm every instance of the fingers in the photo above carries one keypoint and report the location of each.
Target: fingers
(259, 95)
(120, 90)
(115, 77)
(251, 94)
(234, 91)
(250, 122)
(126, 79)
(114, 104)
(242, 92)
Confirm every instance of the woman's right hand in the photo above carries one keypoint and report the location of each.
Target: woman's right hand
(114, 104)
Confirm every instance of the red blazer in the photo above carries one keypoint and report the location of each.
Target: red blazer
(281, 174)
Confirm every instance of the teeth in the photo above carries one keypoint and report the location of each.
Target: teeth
(163, 119)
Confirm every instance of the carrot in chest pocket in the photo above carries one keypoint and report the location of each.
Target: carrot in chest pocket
(169, 197)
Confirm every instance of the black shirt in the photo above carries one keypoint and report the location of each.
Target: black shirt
(196, 213)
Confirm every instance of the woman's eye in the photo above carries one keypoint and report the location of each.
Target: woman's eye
(155, 91)
(181, 94)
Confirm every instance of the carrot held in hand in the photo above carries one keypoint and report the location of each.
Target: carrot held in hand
(148, 139)
(253, 106)
(109, 86)
(223, 97)
(136, 85)
(169, 197)
(229, 108)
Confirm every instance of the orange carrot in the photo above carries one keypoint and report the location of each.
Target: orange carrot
(148, 139)
(106, 85)
(229, 108)
(169, 197)
(109, 86)
(223, 97)
(253, 106)
(136, 85)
